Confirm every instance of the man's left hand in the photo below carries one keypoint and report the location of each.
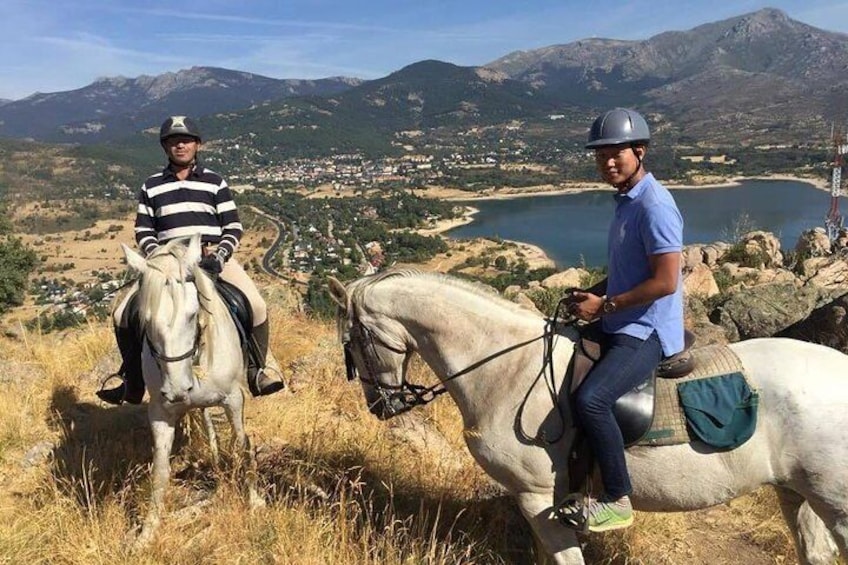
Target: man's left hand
(585, 305)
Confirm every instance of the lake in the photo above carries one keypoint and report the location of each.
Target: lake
(573, 227)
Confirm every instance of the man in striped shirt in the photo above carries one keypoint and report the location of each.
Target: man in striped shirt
(180, 201)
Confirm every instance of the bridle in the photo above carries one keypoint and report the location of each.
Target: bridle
(396, 399)
(159, 356)
(405, 396)
(164, 358)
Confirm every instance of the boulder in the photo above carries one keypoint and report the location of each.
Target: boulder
(524, 301)
(826, 272)
(763, 311)
(763, 249)
(569, 277)
(700, 282)
(827, 325)
(712, 253)
(813, 243)
(692, 256)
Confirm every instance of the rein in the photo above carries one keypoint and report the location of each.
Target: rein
(409, 395)
(405, 396)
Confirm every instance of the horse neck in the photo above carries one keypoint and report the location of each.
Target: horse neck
(456, 328)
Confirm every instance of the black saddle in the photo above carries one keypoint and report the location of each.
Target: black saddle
(634, 411)
(238, 306)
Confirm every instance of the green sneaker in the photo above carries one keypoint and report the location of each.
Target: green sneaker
(605, 515)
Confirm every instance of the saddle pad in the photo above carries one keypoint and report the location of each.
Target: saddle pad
(669, 425)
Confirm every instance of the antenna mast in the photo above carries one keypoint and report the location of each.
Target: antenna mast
(833, 221)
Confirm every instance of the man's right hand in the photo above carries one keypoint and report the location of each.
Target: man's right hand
(212, 264)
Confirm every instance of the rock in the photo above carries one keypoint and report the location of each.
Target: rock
(763, 311)
(813, 243)
(569, 277)
(700, 282)
(512, 290)
(37, 454)
(713, 252)
(762, 249)
(826, 272)
(524, 301)
(692, 256)
(827, 325)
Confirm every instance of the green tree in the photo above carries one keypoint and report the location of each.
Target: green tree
(16, 263)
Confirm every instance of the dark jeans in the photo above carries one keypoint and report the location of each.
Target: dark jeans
(626, 363)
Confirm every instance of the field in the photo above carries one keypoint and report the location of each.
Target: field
(341, 486)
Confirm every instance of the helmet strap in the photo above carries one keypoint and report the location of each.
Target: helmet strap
(628, 182)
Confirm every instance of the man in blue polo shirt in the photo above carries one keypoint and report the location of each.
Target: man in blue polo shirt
(640, 304)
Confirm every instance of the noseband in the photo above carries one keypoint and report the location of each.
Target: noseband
(164, 358)
(159, 356)
(397, 399)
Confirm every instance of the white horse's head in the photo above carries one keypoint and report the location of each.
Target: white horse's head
(168, 309)
(377, 349)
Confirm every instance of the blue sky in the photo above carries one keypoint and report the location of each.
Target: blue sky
(50, 45)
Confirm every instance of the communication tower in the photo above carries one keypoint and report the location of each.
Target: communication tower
(833, 221)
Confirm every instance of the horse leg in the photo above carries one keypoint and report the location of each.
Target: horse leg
(212, 436)
(162, 425)
(559, 542)
(235, 412)
(813, 543)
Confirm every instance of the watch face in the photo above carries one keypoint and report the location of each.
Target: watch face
(609, 306)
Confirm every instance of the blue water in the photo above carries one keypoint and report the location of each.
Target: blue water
(573, 227)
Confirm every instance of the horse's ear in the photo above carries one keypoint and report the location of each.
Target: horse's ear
(194, 250)
(339, 294)
(135, 261)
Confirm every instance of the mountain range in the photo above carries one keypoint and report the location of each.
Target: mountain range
(754, 79)
(112, 108)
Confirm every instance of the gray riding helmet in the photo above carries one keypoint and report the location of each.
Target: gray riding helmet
(618, 126)
(179, 125)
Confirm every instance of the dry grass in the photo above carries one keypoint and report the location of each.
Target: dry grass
(342, 487)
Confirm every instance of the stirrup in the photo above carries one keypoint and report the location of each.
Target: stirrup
(261, 384)
(121, 393)
(115, 396)
(573, 512)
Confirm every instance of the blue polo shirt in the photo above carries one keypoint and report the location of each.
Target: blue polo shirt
(647, 222)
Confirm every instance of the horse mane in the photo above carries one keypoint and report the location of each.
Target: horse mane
(360, 288)
(163, 275)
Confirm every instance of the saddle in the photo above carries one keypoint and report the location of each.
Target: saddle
(634, 411)
(696, 395)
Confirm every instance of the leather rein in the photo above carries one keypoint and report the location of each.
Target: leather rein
(405, 396)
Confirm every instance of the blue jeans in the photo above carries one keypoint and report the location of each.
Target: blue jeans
(626, 363)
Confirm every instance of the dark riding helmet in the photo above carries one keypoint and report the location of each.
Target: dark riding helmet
(178, 125)
(619, 126)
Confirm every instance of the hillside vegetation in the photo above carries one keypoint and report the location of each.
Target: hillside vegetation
(342, 487)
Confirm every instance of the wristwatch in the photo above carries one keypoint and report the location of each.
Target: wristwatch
(608, 306)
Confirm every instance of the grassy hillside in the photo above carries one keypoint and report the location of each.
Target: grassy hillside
(341, 486)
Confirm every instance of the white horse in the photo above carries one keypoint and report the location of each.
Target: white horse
(488, 354)
(183, 317)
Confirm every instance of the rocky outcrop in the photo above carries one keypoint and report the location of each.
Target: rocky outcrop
(764, 310)
(749, 289)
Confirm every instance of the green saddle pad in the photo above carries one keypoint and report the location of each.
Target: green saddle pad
(720, 411)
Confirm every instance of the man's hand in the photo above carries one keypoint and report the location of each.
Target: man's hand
(213, 263)
(585, 305)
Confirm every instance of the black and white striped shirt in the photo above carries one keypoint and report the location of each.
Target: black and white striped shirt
(202, 203)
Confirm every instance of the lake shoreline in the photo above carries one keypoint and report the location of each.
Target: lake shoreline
(457, 195)
(440, 227)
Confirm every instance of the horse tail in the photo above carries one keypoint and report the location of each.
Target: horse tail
(813, 541)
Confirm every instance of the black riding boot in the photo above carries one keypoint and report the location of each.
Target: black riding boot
(132, 389)
(259, 383)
